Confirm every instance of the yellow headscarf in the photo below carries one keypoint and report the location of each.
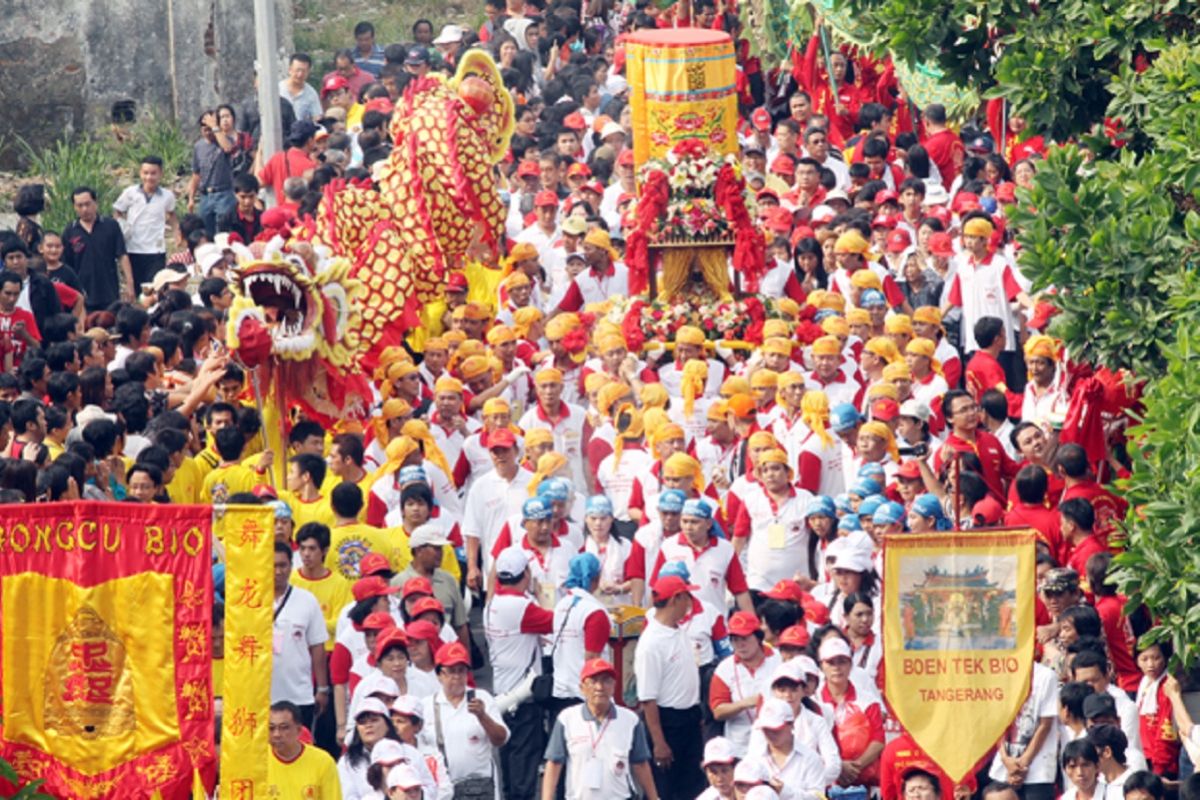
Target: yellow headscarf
(1042, 346)
(595, 381)
(827, 346)
(776, 328)
(866, 279)
(837, 327)
(851, 242)
(689, 334)
(393, 408)
(610, 395)
(882, 389)
(629, 425)
(500, 334)
(779, 345)
(547, 465)
(884, 348)
(653, 418)
(665, 433)
(694, 376)
(523, 318)
(787, 305)
(537, 437)
(681, 465)
(879, 429)
(397, 451)
(858, 316)
(775, 456)
(978, 226)
(764, 378)
(921, 346)
(898, 371)
(653, 395)
(733, 385)
(418, 430)
(898, 323)
(814, 412)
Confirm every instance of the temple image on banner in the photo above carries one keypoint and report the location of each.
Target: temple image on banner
(957, 607)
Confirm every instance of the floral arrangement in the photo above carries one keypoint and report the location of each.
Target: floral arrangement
(691, 210)
(729, 321)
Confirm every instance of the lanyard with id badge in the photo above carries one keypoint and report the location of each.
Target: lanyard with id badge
(593, 770)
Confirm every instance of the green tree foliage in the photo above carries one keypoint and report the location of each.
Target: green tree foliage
(1053, 60)
(1119, 239)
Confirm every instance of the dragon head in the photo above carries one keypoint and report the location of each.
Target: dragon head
(305, 299)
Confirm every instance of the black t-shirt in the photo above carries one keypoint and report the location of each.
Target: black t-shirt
(94, 256)
(65, 275)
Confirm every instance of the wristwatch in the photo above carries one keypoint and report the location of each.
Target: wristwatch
(322, 690)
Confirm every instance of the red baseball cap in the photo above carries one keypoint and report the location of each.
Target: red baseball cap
(1042, 312)
(545, 198)
(428, 604)
(501, 437)
(785, 590)
(597, 666)
(909, 471)
(417, 585)
(964, 202)
(886, 196)
(456, 282)
(885, 409)
(801, 233)
(744, 623)
(815, 611)
(1006, 192)
(372, 586)
(387, 639)
(940, 244)
(898, 241)
(528, 169)
(761, 119)
(422, 629)
(594, 187)
(334, 83)
(767, 192)
(941, 214)
(987, 511)
(883, 221)
(625, 197)
(794, 636)
(783, 165)
(668, 586)
(377, 621)
(626, 158)
(381, 104)
(372, 564)
(452, 655)
(778, 220)
(578, 170)
(575, 122)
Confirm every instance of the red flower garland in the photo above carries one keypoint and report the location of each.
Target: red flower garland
(651, 205)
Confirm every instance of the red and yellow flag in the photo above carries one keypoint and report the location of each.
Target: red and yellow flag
(958, 638)
(249, 614)
(106, 633)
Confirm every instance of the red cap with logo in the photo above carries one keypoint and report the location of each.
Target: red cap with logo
(898, 241)
(597, 666)
(668, 586)
(545, 198)
(885, 409)
(794, 636)
(940, 244)
(334, 83)
(456, 282)
(744, 623)
(501, 437)
(761, 119)
(575, 122)
(528, 169)
(372, 586)
(453, 655)
(373, 564)
(418, 585)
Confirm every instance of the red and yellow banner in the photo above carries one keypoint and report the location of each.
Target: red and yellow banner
(249, 614)
(106, 632)
(682, 85)
(958, 638)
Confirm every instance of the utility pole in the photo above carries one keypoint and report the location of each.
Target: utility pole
(266, 48)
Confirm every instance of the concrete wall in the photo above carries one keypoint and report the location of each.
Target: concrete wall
(65, 64)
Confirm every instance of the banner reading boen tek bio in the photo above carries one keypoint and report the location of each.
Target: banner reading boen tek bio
(106, 620)
(958, 638)
(249, 538)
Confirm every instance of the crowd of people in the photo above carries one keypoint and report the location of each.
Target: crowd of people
(450, 574)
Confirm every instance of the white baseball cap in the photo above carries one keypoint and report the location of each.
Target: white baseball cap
(750, 770)
(371, 705)
(449, 35)
(915, 409)
(834, 647)
(428, 534)
(403, 776)
(388, 751)
(511, 562)
(718, 750)
(791, 670)
(775, 713)
(376, 683)
(408, 705)
(761, 793)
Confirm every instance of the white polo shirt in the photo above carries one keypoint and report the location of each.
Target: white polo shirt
(803, 771)
(742, 683)
(299, 625)
(714, 569)
(468, 749)
(821, 468)
(616, 479)
(779, 540)
(145, 219)
(567, 429)
(490, 502)
(665, 667)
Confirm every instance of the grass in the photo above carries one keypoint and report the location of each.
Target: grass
(66, 165)
(154, 135)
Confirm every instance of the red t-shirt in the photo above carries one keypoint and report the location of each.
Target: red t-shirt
(12, 346)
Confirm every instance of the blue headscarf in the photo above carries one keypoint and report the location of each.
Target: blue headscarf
(677, 568)
(927, 505)
(849, 523)
(583, 570)
(598, 506)
(865, 487)
(888, 513)
(821, 506)
(554, 489)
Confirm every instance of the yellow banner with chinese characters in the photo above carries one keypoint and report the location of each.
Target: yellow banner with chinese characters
(249, 599)
(958, 637)
(682, 85)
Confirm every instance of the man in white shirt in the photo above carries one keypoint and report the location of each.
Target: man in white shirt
(144, 212)
(299, 634)
(668, 685)
(296, 90)
(543, 233)
(789, 763)
(492, 499)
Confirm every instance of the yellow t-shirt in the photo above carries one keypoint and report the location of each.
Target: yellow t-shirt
(224, 482)
(207, 460)
(53, 449)
(312, 775)
(400, 553)
(349, 543)
(332, 481)
(333, 592)
(305, 511)
(185, 484)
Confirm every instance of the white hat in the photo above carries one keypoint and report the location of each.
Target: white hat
(407, 705)
(91, 414)
(834, 647)
(388, 751)
(935, 195)
(428, 534)
(403, 776)
(449, 35)
(837, 194)
(208, 255)
(852, 559)
(915, 409)
(166, 276)
(609, 129)
(371, 705)
(791, 670)
(511, 562)
(775, 713)
(808, 665)
(718, 750)
(750, 770)
(761, 793)
(376, 683)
